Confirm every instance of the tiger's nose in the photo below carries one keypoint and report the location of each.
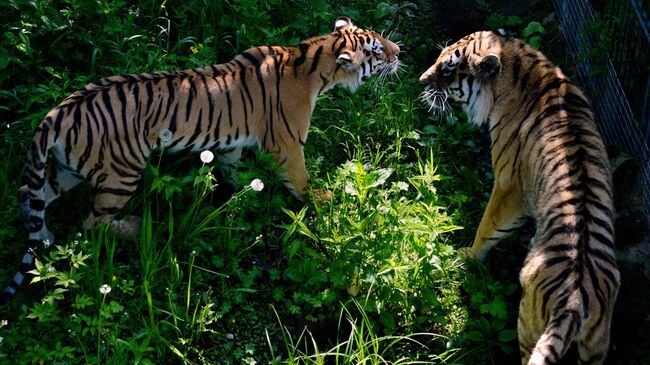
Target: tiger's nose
(428, 77)
(391, 49)
(396, 49)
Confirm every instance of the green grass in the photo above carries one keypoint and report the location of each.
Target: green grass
(365, 271)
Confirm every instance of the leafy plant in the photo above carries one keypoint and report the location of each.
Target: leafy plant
(533, 34)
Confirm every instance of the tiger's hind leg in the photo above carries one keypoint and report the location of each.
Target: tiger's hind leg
(504, 214)
(530, 323)
(108, 202)
(593, 347)
(57, 180)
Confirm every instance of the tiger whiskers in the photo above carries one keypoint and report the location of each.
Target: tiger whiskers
(443, 46)
(399, 68)
(389, 35)
(383, 74)
(389, 69)
(437, 100)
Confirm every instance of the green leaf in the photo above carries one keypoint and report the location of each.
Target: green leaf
(430, 129)
(474, 336)
(294, 274)
(532, 28)
(4, 61)
(115, 307)
(378, 177)
(388, 320)
(317, 277)
(535, 42)
(293, 248)
(497, 308)
(507, 335)
(81, 301)
(39, 266)
(384, 9)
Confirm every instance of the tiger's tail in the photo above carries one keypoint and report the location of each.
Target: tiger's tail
(32, 202)
(17, 280)
(557, 337)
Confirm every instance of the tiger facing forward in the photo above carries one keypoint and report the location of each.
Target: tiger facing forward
(549, 163)
(264, 97)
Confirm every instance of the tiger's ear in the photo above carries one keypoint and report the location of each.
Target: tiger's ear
(343, 23)
(487, 67)
(346, 60)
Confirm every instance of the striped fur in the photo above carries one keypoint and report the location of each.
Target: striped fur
(549, 163)
(264, 97)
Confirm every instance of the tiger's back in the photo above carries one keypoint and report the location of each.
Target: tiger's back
(550, 163)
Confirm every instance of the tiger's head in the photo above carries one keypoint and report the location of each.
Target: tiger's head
(361, 53)
(466, 72)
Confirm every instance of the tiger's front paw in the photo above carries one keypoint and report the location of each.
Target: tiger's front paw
(322, 197)
(466, 252)
(470, 253)
(129, 226)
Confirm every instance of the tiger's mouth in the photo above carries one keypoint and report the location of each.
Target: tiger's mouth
(390, 67)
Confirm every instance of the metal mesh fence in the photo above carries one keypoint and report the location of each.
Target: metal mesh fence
(590, 40)
(623, 27)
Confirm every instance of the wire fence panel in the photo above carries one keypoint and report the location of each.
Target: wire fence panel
(603, 48)
(624, 34)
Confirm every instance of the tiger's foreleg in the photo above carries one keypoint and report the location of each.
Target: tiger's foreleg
(296, 178)
(504, 214)
(227, 159)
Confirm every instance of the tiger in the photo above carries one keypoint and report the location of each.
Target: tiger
(550, 164)
(262, 98)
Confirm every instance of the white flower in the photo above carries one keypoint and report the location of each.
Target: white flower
(207, 156)
(402, 185)
(349, 188)
(257, 185)
(79, 234)
(4, 322)
(165, 136)
(70, 252)
(47, 243)
(51, 269)
(230, 336)
(105, 289)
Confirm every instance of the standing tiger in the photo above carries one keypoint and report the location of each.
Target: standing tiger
(264, 97)
(549, 163)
